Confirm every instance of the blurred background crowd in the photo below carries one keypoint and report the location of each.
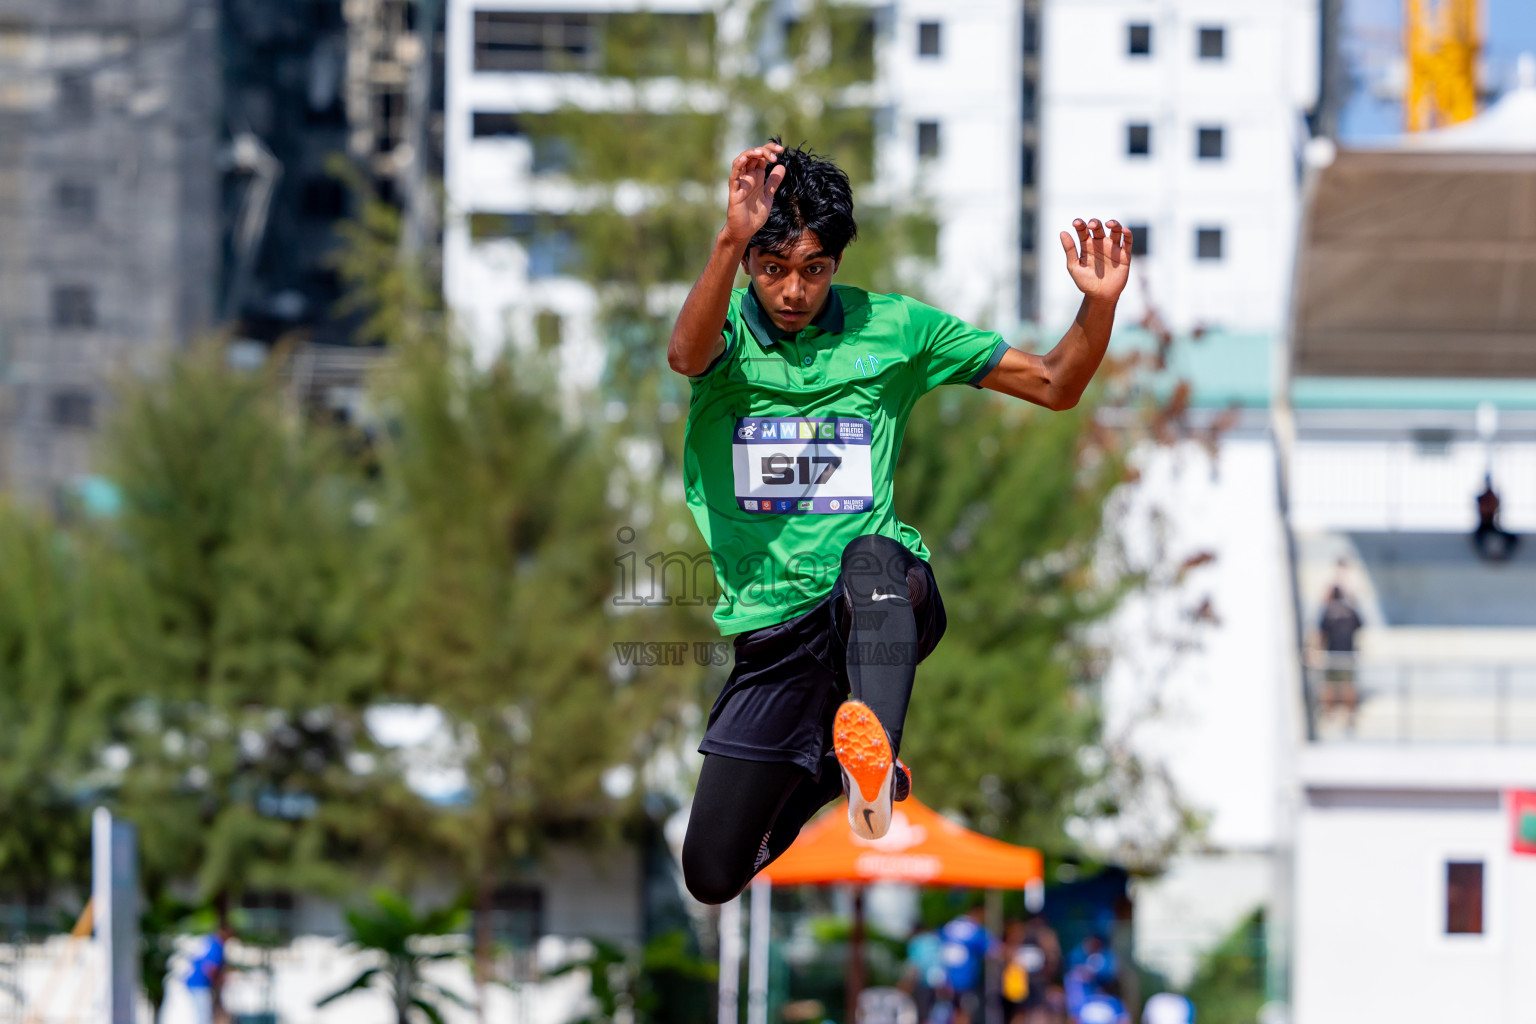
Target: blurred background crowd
(344, 560)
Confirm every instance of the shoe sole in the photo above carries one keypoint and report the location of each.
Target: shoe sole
(864, 751)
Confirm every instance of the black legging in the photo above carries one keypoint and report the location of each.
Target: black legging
(881, 580)
(738, 805)
(746, 813)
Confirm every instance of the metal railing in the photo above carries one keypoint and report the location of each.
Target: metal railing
(1369, 700)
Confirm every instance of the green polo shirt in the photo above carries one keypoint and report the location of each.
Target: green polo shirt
(792, 440)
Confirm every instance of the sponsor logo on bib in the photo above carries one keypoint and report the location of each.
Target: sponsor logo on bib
(816, 465)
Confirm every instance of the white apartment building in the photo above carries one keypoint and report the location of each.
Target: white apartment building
(1184, 120)
(946, 103)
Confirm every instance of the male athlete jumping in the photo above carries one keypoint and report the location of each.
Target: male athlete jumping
(800, 395)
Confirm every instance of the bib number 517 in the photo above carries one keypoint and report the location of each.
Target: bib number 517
(781, 469)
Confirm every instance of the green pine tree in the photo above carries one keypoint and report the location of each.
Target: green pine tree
(499, 526)
(45, 722)
(231, 640)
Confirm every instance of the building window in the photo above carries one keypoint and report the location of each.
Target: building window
(1141, 238)
(74, 307)
(1209, 143)
(1140, 41)
(72, 408)
(493, 124)
(1028, 228)
(1207, 243)
(269, 913)
(551, 154)
(1031, 33)
(323, 198)
(547, 238)
(928, 39)
(518, 41)
(1138, 140)
(517, 915)
(76, 98)
(1031, 101)
(1464, 897)
(1028, 299)
(927, 138)
(1213, 43)
(1028, 165)
(75, 201)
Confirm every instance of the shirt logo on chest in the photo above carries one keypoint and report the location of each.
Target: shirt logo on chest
(867, 364)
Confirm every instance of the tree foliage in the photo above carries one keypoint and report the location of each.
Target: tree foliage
(45, 736)
(234, 650)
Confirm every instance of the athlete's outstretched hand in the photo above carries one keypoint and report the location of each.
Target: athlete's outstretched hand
(1102, 265)
(752, 187)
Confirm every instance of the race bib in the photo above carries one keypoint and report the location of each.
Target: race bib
(812, 464)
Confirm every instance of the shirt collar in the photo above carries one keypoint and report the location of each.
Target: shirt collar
(830, 319)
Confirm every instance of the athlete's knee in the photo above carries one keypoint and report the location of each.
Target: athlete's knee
(708, 878)
(872, 552)
(872, 562)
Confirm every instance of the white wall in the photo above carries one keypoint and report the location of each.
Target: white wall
(1188, 910)
(1208, 713)
(1092, 89)
(1370, 906)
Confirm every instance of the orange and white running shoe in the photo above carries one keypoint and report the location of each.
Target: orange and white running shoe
(871, 774)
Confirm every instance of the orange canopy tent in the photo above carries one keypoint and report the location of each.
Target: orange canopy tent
(921, 848)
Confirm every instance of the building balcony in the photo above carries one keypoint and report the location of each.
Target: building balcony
(1353, 698)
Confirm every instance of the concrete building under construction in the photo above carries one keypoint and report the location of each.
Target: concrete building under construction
(109, 211)
(165, 173)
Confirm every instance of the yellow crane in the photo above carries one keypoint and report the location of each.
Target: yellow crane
(1442, 41)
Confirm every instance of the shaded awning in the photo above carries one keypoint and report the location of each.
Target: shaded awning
(1418, 264)
(1420, 260)
(922, 847)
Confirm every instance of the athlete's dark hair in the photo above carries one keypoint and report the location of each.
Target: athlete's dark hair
(814, 196)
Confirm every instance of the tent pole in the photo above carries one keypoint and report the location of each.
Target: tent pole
(994, 977)
(856, 956)
(730, 961)
(757, 952)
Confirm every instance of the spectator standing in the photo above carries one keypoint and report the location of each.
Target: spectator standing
(1094, 954)
(205, 976)
(1488, 528)
(1040, 956)
(925, 970)
(967, 944)
(1336, 630)
(1015, 980)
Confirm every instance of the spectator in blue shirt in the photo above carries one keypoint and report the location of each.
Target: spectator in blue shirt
(205, 976)
(1095, 956)
(967, 944)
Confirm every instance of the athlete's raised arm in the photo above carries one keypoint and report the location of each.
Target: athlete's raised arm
(1100, 269)
(696, 338)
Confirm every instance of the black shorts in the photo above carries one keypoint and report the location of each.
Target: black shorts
(790, 678)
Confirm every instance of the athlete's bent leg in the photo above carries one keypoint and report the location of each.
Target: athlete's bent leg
(881, 581)
(735, 806)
